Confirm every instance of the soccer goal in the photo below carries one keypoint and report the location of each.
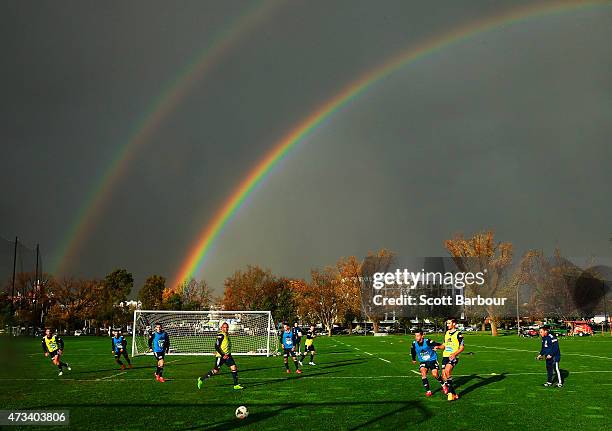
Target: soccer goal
(195, 332)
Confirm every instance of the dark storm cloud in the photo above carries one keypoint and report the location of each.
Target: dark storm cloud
(507, 130)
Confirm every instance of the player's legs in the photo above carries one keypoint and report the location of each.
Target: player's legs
(312, 353)
(559, 379)
(550, 369)
(286, 359)
(127, 358)
(58, 362)
(436, 374)
(296, 363)
(447, 375)
(423, 370)
(234, 370)
(160, 367)
(118, 360)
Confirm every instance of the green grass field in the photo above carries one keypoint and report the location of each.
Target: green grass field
(359, 383)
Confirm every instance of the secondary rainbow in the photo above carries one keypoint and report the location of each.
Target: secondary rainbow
(207, 236)
(159, 108)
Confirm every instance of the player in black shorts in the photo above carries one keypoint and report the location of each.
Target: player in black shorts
(424, 350)
(223, 355)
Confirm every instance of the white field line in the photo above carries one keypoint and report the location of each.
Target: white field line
(535, 351)
(368, 353)
(304, 376)
(109, 377)
(384, 360)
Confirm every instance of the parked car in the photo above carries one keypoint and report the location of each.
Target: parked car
(529, 332)
(581, 329)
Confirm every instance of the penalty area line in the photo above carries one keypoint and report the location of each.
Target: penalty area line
(385, 360)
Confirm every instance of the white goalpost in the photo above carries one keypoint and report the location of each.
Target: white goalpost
(195, 332)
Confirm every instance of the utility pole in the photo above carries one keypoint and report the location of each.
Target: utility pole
(518, 316)
(35, 289)
(14, 268)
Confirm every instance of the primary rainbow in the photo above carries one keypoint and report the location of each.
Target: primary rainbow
(159, 108)
(207, 236)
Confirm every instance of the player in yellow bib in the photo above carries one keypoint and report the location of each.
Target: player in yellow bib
(453, 346)
(309, 346)
(223, 353)
(53, 346)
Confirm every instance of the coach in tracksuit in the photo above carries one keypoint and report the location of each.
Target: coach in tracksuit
(550, 351)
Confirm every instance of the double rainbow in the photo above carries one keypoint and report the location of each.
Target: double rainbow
(199, 250)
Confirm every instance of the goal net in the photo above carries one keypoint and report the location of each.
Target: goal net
(195, 332)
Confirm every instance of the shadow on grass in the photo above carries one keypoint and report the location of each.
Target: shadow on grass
(482, 381)
(140, 367)
(406, 413)
(564, 375)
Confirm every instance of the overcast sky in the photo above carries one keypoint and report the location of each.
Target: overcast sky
(510, 130)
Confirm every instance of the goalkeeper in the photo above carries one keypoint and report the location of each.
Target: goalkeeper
(223, 353)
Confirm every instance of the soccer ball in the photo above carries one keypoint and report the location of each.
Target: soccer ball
(242, 412)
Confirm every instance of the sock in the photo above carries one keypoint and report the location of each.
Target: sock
(128, 360)
(157, 371)
(60, 366)
(425, 383)
(161, 370)
(312, 357)
(63, 364)
(119, 362)
(439, 378)
(235, 377)
(287, 365)
(449, 383)
(297, 366)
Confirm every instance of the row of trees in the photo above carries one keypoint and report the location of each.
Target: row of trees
(71, 303)
(549, 286)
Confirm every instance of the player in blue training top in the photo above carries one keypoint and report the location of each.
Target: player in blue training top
(551, 352)
(424, 350)
(159, 344)
(119, 348)
(289, 341)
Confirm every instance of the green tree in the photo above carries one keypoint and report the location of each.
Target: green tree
(151, 293)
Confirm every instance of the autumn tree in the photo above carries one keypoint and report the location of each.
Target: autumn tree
(258, 289)
(349, 282)
(73, 302)
(116, 287)
(481, 253)
(380, 261)
(322, 297)
(151, 293)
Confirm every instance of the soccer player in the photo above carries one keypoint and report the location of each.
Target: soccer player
(309, 346)
(453, 346)
(424, 350)
(159, 344)
(551, 352)
(53, 346)
(289, 341)
(223, 353)
(297, 331)
(119, 348)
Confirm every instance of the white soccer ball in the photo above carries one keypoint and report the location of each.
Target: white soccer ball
(242, 412)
